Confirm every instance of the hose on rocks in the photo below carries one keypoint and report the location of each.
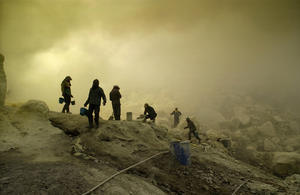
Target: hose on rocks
(122, 172)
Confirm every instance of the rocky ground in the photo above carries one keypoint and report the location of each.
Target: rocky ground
(54, 153)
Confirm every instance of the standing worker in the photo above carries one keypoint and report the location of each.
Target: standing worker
(115, 97)
(151, 113)
(94, 101)
(176, 114)
(66, 93)
(192, 128)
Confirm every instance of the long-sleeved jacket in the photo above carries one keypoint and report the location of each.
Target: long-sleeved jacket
(191, 126)
(65, 87)
(150, 111)
(176, 114)
(95, 95)
(115, 96)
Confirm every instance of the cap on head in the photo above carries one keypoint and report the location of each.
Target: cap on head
(96, 82)
(188, 119)
(116, 87)
(146, 105)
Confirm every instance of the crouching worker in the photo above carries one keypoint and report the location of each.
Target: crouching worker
(94, 101)
(149, 113)
(192, 127)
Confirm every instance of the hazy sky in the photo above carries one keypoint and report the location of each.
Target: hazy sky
(164, 52)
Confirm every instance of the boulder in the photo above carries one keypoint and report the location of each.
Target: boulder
(234, 123)
(275, 140)
(224, 133)
(286, 163)
(35, 106)
(269, 146)
(294, 179)
(294, 127)
(208, 117)
(293, 142)
(278, 119)
(252, 148)
(3, 83)
(267, 129)
(241, 114)
(289, 149)
(212, 134)
(237, 134)
(252, 131)
(224, 124)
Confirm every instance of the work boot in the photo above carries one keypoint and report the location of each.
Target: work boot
(97, 126)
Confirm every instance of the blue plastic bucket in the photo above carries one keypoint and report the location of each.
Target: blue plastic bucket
(174, 148)
(61, 100)
(83, 111)
(184, 153)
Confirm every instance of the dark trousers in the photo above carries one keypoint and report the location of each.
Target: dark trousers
(193, 132)
(93, 108)
(152, 117)
(117, 111)
(67, 103)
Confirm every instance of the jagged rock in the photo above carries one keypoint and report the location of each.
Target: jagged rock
(293, 142)
(224, 133)
(234, 123)
(251, 148)
(278, 119)
(289, 149)
(267, 129)
(286, 162)
(36, 106)
(212, 134)
(293, 179)
(289, 115)
(294, 127)
(3, 83)
(275, 140)
(207, 117)
(241, 114)
(224, 124)
(252, 131)
(269, 146)
(215, 126)
(237, 134)
(259, 108)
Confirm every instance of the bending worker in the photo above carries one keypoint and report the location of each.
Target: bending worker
(151, 113)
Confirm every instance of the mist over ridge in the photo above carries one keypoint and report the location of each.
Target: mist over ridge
(165, 53)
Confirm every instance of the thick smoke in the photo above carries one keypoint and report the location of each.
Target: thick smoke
(166, 53)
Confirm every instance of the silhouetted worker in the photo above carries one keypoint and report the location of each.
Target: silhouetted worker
(115, 97)
(176, 114)
(151, 113)
(66, 93)
(192, 128)
(94, 101)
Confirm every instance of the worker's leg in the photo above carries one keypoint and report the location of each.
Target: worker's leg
(190, 132)
(198, 138)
